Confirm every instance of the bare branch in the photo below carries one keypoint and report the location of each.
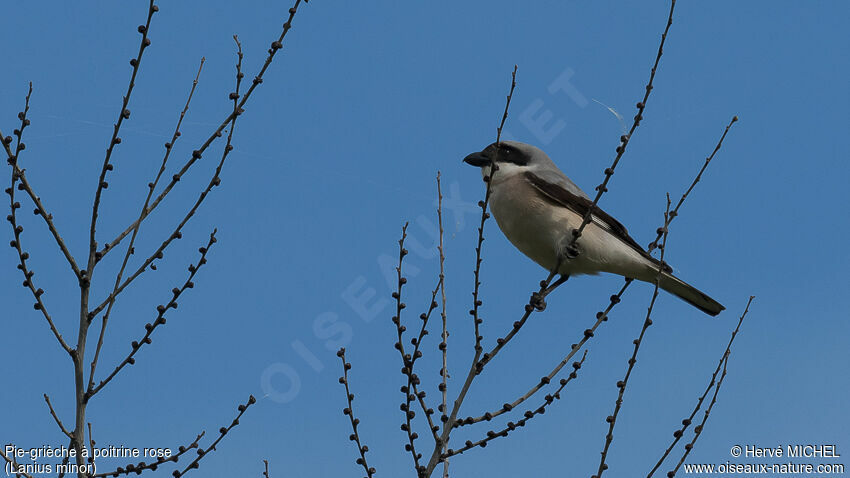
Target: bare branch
(410, 360)
(675, 211)
(56, 418)
(407, 359)
(115, 140)
(713, 383)
(91, 445)
(221, 433)
(529, 308)
(444, 336)
(624, 140)
(276, 46)
(214, 181)
(448, 422)
(528, 415)
(601, 316)
(12, 159)
(142, 466)
(67, 458)
(621, 385)
(138, 468)
(130, 247)
(349, 411)
(160, 320)
(17, 229)
(476, 302)
(15, 466)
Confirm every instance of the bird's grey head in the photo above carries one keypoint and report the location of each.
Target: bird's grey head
(513, 157)
(510, 153)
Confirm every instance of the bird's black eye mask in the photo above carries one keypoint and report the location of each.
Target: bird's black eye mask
(498, 152)
(505, 153)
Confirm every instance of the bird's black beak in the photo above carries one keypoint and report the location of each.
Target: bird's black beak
(478, 159)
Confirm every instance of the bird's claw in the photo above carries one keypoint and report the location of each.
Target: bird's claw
(538, 301)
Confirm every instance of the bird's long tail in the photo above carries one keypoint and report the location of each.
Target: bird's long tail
(690, 294)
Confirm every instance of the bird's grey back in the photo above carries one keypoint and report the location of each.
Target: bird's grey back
(545, 168)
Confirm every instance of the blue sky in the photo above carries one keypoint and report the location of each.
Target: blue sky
(341, 145)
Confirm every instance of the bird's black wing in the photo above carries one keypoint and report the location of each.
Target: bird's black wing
(580, 205)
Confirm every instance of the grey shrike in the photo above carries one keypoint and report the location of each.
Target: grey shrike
(537, 207)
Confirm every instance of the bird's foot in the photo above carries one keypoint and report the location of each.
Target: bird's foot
(538, 301)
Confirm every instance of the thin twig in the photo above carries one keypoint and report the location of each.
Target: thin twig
(529, 308)
(221, 433)
(17, 229)
(214, 181)
(161, 460)
(621, 385)
(130, 247)
(601, 316)
(675, 211)
(624, 140)
(448, 423)
(266, 471)
(14, 464)
(444, 336)
(528, 415)
(698, 429)
(476, 302)
(276, 46)
(409, 362)
(91, 445)
(115, 140)
(160, 319)
(67, 458)
(56, 418)
(20, 174)
(713, 383)
(407, 359)
(349, 411)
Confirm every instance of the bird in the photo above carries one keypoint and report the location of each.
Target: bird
(538, 207)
